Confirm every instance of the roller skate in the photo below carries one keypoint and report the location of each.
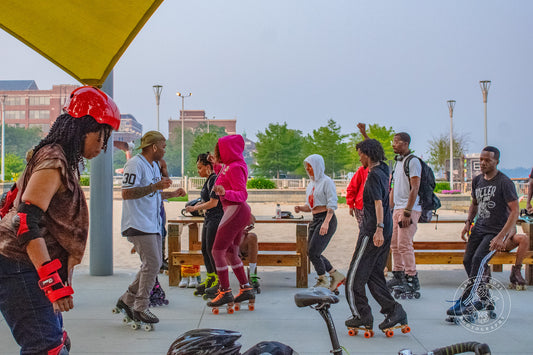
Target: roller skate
(398, 279)
(461, 311)
(246, 293)
(355, 324)
(144, 319)
(210, 280)
(255, 284)
(322, 281)
(408, 289)
(122, 307)
(193, 282)
(224, 297)
(398, 316)
(336, 279)
(157, 295)
(517, 282)
(212, 291)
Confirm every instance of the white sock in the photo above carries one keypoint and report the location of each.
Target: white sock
(252, 267)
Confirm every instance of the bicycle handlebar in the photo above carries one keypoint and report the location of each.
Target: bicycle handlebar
(459, 348)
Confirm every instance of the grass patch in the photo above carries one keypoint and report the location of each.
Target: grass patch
(179, 199)
(341, 199)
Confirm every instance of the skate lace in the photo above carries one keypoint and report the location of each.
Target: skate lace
(243, 290)
(220, 294)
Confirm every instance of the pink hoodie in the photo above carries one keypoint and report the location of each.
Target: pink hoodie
(234, 174)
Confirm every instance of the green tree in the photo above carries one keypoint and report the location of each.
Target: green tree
(20, 140)
(382, 134)
(14, 166)
(277, 150)
(439, 149)
(173, 150)
(203, 143)
(328, 142)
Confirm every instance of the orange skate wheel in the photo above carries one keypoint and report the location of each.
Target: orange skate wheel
(215, 310)
(371, 333)
(251, 307)
(231, 310)
(237, 307)
(368, 334)
(352, 332)
(389, 333)
(406, 329)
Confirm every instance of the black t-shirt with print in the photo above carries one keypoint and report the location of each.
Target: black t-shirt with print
(207, 194)
(376, 188)
(492, 197)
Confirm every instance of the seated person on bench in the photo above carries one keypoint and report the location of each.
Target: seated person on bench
(522, 242)
(248, 251)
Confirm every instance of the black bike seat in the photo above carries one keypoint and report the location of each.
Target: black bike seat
(317, 295)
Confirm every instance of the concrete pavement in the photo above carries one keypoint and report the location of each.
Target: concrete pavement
(95, 330)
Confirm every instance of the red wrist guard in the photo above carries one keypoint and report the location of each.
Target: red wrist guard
(51, 283)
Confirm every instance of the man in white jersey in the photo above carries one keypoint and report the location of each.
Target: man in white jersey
(142, 193)
(407, 211)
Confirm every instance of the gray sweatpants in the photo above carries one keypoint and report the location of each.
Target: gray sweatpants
(149, 249)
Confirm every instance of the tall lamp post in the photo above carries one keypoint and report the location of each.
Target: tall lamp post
(157, 92)
(485, 85)
(182, 116)
(2, 100)
(451, 105)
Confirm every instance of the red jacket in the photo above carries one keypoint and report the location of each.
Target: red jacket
(354, 191)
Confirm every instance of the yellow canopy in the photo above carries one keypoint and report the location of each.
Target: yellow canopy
(85, 38)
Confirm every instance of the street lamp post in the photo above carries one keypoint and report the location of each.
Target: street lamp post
(451, 105)
(182, 116)
(3, 99)
(485, 85)
(157, 92)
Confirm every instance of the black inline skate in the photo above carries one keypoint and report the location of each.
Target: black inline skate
(408, 289)
(398, 279)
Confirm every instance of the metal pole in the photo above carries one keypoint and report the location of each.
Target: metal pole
(101, 206)
(157, 92)
(3, 97)
(451, 104)
(182, 116)
(485, 85)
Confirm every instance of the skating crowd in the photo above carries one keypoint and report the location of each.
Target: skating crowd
(43, 230)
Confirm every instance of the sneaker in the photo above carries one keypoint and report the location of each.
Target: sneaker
(336, 279)
(184, 282)
(322, 281)
(193, 282)
(145, 316)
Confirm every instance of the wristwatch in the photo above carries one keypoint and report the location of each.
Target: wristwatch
(380, 225)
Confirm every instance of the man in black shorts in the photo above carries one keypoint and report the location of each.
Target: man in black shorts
(495, 202)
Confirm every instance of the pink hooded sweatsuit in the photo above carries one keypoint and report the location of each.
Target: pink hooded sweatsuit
(232, 177)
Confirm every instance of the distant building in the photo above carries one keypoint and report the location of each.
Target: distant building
(27, 106)
(249, 150)
(130, 130)
(192, 119)
(465, 169)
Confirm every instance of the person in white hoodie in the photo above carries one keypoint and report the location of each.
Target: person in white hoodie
(321, 200)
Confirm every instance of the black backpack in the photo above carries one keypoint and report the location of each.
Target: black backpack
(429, 202)
(194, 202)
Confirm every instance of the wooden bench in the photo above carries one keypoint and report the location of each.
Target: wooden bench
(293, 254)
(441, 252)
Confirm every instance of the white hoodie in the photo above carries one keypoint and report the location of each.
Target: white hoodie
(325, 193)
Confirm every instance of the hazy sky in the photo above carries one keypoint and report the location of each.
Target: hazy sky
(395, 63)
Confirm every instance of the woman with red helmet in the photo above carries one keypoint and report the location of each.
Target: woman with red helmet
(43, 236)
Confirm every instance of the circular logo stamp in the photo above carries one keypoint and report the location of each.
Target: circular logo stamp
(487, 305)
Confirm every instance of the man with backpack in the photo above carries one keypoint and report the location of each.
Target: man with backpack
(407, 211)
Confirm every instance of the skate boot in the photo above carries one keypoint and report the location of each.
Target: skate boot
(413, 285)
(355, 324)
(193, 282)
(224, 297)
(517, 281)
(398, 279)
(322, 281)
(397, 316)
(336, 279)
(184, 282)
(246, 293)
(208, 282)
(212, 291)
(145, 318)
(157, 295)
(255, 283)
(122, 307)
(463, 311)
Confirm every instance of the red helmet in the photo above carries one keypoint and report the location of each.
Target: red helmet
(88, 100)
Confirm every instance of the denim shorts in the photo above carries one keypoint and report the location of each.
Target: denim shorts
(27, 311)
